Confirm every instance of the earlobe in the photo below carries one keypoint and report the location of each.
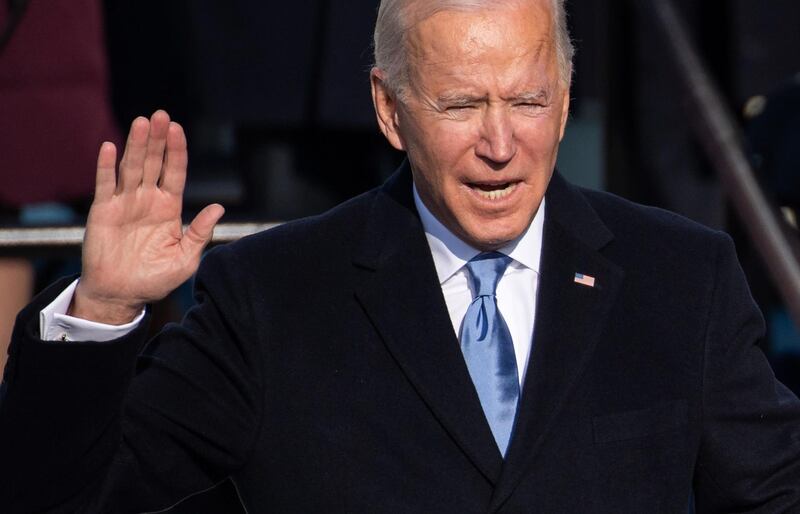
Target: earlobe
(386, 109)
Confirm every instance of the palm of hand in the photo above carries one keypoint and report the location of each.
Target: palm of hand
(135, 250)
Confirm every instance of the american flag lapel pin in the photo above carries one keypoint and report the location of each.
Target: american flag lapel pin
(584, 280)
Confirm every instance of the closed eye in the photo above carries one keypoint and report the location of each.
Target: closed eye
(459, 111)
(460, 102)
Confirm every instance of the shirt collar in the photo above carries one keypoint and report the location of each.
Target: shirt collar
(450, 253)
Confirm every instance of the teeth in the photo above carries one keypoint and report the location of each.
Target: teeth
(496, 194)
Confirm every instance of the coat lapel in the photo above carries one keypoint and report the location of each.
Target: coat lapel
(569, 320)
(398, 289)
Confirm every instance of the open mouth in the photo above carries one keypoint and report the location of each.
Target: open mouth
(494, 191)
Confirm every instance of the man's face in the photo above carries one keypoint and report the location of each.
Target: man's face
(481, 119)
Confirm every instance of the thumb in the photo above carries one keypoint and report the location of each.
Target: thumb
(200, 230)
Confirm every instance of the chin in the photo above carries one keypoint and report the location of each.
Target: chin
(492, 240)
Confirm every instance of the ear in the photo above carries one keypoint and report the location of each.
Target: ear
(385, 103)
(564, 113)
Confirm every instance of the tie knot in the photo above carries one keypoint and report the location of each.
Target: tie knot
(485, 271)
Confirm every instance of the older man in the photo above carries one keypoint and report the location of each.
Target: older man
(474, 336)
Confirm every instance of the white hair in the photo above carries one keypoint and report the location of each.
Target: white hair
(394, 21)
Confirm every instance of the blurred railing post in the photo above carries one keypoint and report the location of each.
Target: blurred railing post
(719, 134)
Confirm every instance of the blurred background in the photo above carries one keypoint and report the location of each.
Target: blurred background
(274, 97)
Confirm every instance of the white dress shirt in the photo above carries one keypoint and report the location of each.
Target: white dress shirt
(516, 291)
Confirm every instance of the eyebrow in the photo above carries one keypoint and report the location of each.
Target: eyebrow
(542, 95)
(460, 99)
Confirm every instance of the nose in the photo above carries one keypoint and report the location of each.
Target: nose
(497, 143)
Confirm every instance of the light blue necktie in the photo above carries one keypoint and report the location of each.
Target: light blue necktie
(488, 349)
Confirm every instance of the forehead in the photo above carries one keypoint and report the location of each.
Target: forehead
(513, 41)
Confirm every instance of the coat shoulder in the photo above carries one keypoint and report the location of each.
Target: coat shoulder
(655, 244)
(308, 241)
(653, 227)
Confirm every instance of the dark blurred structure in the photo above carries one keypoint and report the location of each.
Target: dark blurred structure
(654, 157)
(271, 94)
(750, 47)
(772, 123)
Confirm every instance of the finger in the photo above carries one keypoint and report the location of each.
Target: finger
(130, 168)
(106, 179)
(156, 142)
(173, 176)
(200, 230)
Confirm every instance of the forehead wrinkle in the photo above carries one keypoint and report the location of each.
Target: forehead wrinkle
(480, 55)
(477, 51)
(452, 40)
(520, 65)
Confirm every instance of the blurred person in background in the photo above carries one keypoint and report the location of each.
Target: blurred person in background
(55, 113)
(772, 133)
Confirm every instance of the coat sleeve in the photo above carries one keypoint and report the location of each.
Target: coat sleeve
(749, 457)
(101, 427)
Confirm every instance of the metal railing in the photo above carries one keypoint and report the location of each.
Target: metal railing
(718, 133)
(14, 240)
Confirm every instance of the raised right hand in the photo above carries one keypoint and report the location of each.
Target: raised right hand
(134, 249)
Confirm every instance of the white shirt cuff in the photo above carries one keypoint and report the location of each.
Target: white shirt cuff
(55, 325)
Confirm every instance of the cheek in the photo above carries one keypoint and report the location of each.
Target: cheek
(443, 145)
(541, 137)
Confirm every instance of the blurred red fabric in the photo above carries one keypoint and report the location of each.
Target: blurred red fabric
(54, 102)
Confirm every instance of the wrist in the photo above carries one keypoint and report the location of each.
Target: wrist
(109, 311)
